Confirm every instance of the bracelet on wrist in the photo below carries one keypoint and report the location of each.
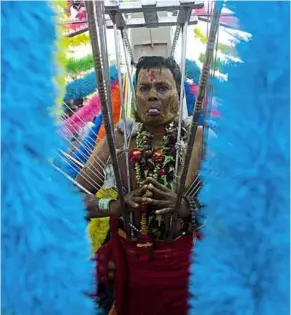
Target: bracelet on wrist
(104, 204)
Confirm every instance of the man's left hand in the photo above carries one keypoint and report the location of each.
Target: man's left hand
(164, 199)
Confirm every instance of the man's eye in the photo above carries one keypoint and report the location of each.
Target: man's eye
(162, 89)
(144, 89)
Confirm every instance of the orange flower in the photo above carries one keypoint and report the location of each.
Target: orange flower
(135, 156)
(158, 156)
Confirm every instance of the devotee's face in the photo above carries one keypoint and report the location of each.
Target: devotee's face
(72, 108)
(157, 99)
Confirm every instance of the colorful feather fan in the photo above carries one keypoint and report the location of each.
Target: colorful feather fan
(84, 151)
(86, 114)
(87, 85)
(242, 266)
(45, 256)
(115, 96)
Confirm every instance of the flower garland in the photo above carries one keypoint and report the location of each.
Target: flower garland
(159, 163)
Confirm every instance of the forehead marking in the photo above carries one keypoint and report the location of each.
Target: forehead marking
(152, 76)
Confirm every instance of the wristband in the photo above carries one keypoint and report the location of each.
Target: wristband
(104, 203)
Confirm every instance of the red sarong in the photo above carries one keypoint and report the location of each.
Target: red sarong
(154, 284)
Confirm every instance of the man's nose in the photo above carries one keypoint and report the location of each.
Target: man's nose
(153, 94)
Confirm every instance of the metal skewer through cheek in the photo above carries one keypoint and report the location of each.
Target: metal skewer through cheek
(98, 59)
(197, 110)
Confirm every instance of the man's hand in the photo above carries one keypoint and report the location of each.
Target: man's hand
(91, 203)
(135, 198)
(93, 210)
(163, 199)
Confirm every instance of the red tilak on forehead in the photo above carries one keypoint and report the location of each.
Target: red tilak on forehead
(152, 76)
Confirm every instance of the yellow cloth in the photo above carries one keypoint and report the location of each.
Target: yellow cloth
(98, 228)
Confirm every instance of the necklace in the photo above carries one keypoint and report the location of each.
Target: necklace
(159, 163)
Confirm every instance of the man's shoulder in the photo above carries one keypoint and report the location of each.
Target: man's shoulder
(129, 125)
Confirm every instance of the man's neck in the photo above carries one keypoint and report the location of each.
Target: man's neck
(156, 130)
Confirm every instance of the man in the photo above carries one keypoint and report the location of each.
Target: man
(151, 276)
(72, 106)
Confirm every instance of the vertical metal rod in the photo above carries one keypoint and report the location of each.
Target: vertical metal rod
(131, 217)
(127, 44)
(129, 71)
(197, 109)
(96, 42)
(208, 104)
(175, 40)
(125, 137)
(183, 62)
(101, 29)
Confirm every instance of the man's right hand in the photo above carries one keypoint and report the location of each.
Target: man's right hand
(133, 200)
(93, 210)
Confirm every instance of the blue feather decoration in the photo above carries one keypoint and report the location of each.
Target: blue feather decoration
(192, 71)
(45, 256)
(190, 98)
(241, 267)
(86, 85)
(85, 149)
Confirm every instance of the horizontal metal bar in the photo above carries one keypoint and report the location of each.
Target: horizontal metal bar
(202, 15)
(163, 21)
(162, 5)
(151, 18)
(78, 32)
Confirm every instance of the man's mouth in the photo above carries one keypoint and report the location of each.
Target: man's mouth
(153, 112)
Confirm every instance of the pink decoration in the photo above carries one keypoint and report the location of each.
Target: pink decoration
(227, 19)
(77, 14)
(230, 21)
(214, 111)
(194, 89)
(200, 12)
(84, 115)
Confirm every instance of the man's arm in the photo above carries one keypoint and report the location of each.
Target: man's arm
(91, 176)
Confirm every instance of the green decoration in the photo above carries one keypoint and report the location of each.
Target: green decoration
(218, 62)
(224, 48)
(75, 66)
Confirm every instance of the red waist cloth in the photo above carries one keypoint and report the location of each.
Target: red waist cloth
(157, 286)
